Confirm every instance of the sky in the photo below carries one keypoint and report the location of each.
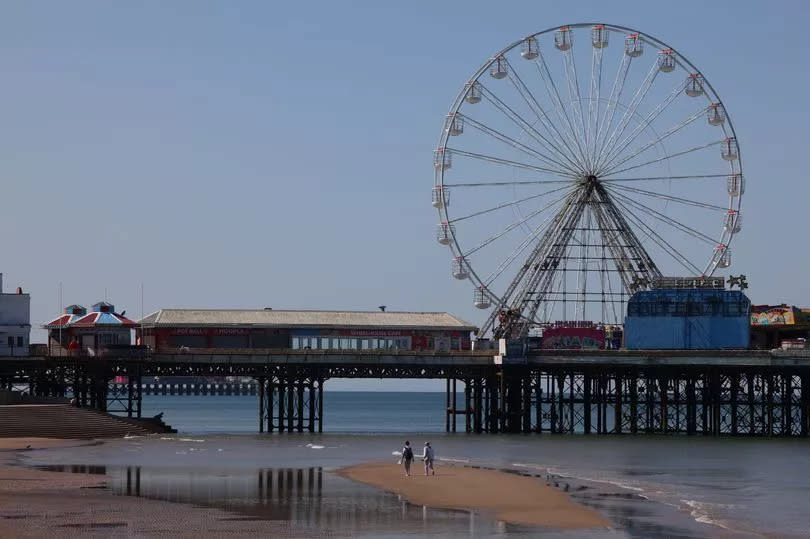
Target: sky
(278, 154)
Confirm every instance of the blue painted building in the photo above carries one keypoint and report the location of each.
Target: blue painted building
(687, 319)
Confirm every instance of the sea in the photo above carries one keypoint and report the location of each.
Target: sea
(649, 486)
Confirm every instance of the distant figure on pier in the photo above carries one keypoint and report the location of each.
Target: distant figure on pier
(427, 456)
(407, 457)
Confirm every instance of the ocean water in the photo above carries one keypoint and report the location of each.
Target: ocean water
(650, 486)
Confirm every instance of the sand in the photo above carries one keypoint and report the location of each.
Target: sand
(508, 497)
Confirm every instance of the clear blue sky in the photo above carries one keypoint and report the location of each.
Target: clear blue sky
(251, 154)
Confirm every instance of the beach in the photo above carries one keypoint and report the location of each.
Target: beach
(201, 482)
(509, 497)
(36, 503)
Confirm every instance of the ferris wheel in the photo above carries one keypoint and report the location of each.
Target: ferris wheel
(575, 167)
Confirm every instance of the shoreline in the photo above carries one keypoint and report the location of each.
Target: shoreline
(509, 497)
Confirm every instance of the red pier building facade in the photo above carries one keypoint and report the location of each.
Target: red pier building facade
(318, 330)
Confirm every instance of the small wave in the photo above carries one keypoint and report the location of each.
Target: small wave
(451, 459)
(313, 446)
(131, 436)
(700, 512)
(396, 453)
(189, 440)
(218, 450)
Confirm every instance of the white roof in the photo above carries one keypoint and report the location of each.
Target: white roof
(302, 319)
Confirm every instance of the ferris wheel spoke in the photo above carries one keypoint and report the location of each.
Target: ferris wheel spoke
(611, 163)
(576, 101)
(665, 218)
(509, 260)
(500, 161)
(507, 204)
(666, 157)
(539, 112)
(672, 198)
(541, 229)
(531, 152)
(562, 110)
(513, 226)
(659, 178)
(530, 130)
(665, 246)
(648, 120)
(635, 102)
(496, 183)
(593, 102)
(613, 99)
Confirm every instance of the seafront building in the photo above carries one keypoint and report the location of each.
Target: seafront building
(15, 322)
(175, 329)
(90, 333)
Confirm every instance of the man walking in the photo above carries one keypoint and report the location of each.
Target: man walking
(407, 457)
(427, 456)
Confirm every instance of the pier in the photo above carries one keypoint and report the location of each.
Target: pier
(738, 393)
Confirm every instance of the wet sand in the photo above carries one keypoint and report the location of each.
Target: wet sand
(36, 503)
(508, 497)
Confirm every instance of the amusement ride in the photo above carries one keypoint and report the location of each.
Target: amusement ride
(579, 165)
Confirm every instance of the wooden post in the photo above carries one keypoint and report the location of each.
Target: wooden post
(290, 402)
(454, 404)
(311, 395)
(447, 407)
(538, 396)
(527, 401)
(269, 393)
(467, 405)
(734, 380)
(586, 383)
(300, 421)
(633, 379)
(260, 381)
(281, 404)
(320, 404)
(805, 405)
(617, 409)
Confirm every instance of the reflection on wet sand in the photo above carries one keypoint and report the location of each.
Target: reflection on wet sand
(310, 498)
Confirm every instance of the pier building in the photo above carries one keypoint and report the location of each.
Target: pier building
(90, 333)
(779, 326)
(15, 322)
(687, 319)
(172, 329)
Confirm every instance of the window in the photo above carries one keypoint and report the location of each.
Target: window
(10, 342)
(19, 341)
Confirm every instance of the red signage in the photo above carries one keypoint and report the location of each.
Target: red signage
(209, 331)
(573, 339)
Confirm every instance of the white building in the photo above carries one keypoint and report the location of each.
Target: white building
(15, 322)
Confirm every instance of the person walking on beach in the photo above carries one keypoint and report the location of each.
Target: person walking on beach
(407, 457)
(427, 456)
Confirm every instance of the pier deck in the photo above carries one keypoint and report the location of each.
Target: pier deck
(736, 392)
